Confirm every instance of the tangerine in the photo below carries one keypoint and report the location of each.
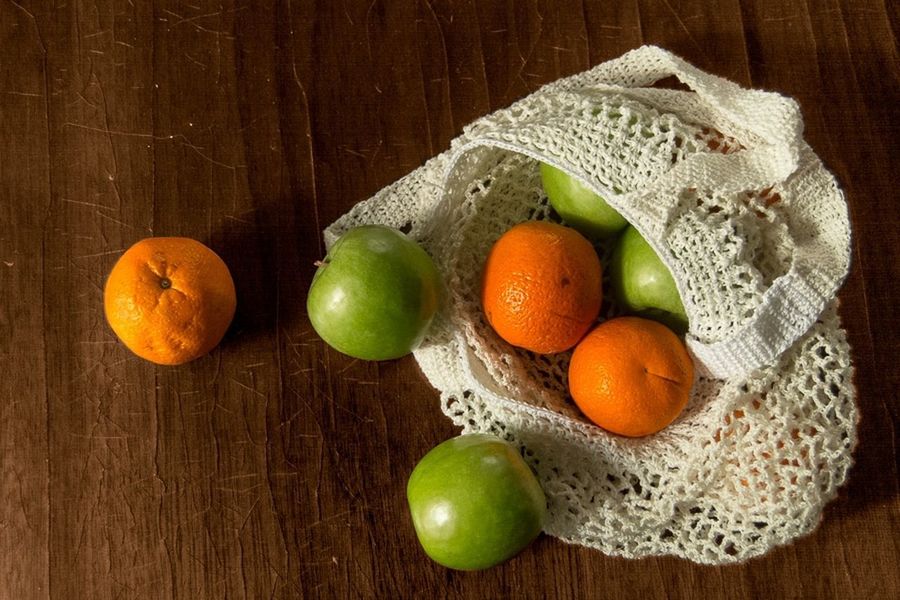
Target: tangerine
(541, 286)
(170, 300)
(631, 376)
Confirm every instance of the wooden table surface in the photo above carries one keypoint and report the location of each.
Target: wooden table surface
(275, 467)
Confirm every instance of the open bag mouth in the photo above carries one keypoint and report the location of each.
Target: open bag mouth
(767, 436)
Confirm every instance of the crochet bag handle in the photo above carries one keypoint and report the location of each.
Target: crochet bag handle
(769, 127)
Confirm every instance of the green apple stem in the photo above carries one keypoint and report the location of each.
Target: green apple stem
(319, 263)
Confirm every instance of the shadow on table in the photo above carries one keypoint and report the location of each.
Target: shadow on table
(271, 261)
(873, 479)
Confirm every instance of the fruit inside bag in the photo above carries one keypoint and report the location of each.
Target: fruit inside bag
(755, 232)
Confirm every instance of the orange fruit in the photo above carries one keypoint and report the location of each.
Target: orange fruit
(541, 287)
(170, 300)
(631, 376)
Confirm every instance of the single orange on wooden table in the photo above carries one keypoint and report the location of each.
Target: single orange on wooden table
(631, 376)
(541, 287)
(170, 300)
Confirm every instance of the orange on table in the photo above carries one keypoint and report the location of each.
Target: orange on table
(170, 300)
(541, 286)
(631, 376)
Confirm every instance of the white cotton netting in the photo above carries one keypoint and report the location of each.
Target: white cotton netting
(756, 233)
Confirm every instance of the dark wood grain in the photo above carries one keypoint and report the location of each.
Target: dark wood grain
(275, 467)
(25, 189)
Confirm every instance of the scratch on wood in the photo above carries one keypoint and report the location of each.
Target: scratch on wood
(195, 61)
(37, 30)
(116, 221)
(83, 203)
(96, 254)
(368, 37)
(683, 26)
(27, 94)
(247, 387)
(309, 131)
(192, 21)
(249, 512)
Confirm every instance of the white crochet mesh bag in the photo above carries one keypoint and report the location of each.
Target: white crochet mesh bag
(755, 231)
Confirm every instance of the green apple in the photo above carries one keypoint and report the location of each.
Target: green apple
(642, 284)
(580, 207)
(474, 502)
(374, 295)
